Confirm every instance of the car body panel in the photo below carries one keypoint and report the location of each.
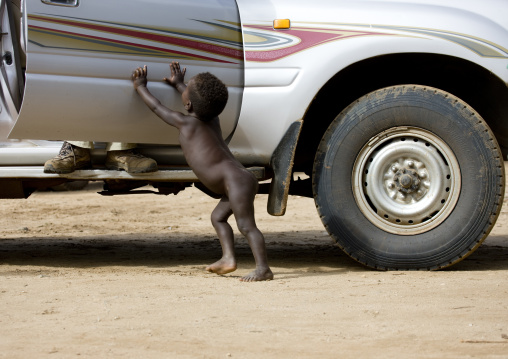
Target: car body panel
(284, 70)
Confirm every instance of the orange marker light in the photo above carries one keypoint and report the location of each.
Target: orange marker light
(281, 24)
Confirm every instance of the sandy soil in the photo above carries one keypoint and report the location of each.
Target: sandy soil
(87, 276)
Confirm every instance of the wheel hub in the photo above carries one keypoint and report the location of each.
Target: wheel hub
(406, 180)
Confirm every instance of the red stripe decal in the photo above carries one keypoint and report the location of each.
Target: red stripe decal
(162, 50)
(309, 37)
(201, 46)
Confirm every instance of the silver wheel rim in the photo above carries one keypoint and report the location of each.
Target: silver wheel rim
(406, 180)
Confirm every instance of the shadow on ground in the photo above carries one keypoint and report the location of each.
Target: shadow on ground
(304, 250)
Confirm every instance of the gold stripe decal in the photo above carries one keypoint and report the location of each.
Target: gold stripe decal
(91, 36)
(265, 44)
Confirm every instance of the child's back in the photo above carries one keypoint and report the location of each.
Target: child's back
(208, 155)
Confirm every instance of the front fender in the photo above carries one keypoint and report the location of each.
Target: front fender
(327, 36)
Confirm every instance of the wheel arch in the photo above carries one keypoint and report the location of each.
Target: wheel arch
(469, 81)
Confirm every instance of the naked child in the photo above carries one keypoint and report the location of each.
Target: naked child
(204, 98)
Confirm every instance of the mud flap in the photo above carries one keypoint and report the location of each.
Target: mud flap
(282, 166)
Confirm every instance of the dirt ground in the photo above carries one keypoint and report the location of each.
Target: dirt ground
(88, 276)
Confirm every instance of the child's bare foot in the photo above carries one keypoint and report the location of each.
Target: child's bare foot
(222, 266)
(258, 274)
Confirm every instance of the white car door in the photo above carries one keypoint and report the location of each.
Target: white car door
(80, 55)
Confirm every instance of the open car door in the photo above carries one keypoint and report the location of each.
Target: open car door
(11, 66)
(80, 55)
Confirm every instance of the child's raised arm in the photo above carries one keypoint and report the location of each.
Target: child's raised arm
(177, 76)
(173, 118)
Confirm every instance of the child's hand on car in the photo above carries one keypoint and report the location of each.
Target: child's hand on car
(139, 77)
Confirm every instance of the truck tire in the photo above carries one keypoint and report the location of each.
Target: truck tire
(408, 177)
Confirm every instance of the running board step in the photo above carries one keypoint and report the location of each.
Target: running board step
(165, 174)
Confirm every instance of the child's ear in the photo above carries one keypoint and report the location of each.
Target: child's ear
(188, 106)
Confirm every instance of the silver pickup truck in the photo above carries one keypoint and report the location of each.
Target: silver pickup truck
(393, 113)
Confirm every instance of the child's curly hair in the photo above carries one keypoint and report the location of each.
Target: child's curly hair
(209, 96)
